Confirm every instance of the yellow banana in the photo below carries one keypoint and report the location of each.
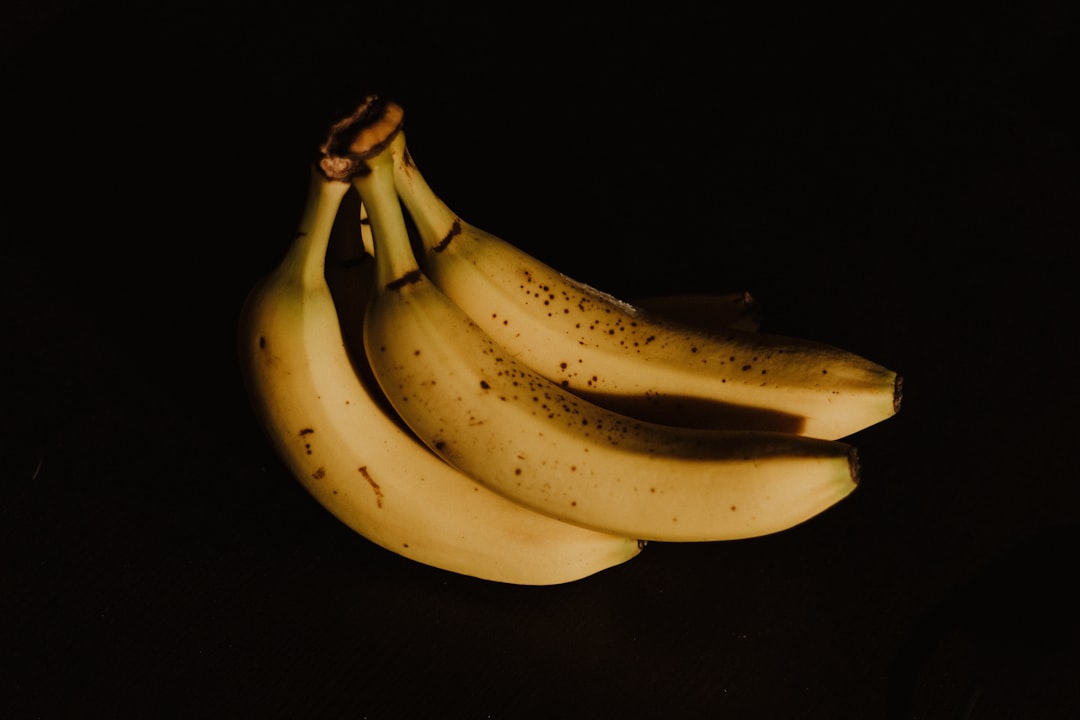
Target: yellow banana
(527, 438)
(336, 434)
(619, 356)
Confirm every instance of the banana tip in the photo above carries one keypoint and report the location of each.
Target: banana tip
(853, 463)
(898, 393)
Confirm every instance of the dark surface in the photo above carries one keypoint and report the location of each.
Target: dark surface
(900, 183)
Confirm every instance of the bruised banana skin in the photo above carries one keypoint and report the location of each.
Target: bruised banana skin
(336, 435)
(534, 442)
(634, 361)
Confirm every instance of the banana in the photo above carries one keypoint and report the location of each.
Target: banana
(528, 438)
(335, 433)
(633, 361)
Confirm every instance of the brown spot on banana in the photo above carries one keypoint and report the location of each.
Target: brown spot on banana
(455, 230)
(413, 276)
(374, 485)
(304, 433)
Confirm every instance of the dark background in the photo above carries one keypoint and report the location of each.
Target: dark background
(899, 181)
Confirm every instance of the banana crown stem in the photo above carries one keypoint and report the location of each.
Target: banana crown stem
(395, 262)
(435, 221)
(362, 149)
(306, 258)
(362, 135)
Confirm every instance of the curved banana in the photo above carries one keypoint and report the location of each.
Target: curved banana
(527, 438)
(618, 356)
(338, 438)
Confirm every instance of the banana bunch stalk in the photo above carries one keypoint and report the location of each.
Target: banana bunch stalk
(493, 417)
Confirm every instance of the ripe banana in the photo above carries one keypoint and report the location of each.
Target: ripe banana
(529, 439)
(632, 361)
(334, 431)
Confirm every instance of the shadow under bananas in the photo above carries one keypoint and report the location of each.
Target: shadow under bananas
(698, 412)
(350, 275)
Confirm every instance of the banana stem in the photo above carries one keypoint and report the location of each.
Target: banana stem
(306, 258)
(395, 262)
(371, 128)
(361, 148)
(435, 221)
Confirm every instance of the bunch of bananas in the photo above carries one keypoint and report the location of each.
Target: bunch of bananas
(478, 411)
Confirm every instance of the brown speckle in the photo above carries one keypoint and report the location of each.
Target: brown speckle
(413, 276)
(374, 485)
(455, 230)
